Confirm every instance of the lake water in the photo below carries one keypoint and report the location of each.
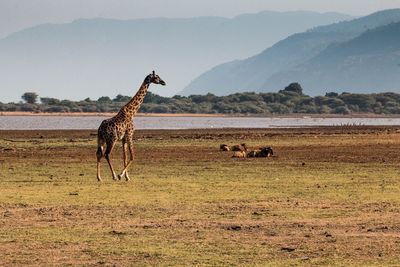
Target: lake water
(184, 122)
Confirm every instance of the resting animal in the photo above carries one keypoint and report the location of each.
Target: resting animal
(264, 152)
(241, 147)
(224, 147)
(239, 154)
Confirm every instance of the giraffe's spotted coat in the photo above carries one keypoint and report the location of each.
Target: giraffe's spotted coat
(121, 127)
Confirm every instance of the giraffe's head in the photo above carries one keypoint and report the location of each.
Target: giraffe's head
(154, 78)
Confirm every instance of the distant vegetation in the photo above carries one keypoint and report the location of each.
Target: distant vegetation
(287, 101)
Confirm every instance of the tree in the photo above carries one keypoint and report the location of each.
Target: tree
(49, 101)
(363, 101)
(155, 99)
(295, 88)
(30, 97)
(203, 98)
(104, 99)
(331, 94)
(342, 110)
(178, 97)
(122, 98)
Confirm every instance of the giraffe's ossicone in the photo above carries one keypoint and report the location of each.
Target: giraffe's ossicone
(121, 128)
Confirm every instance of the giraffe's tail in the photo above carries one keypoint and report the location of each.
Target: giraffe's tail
(100, 145)
(99, 152)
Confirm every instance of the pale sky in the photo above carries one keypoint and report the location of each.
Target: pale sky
(18, 14)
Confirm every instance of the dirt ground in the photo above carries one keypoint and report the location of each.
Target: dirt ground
(330, 196)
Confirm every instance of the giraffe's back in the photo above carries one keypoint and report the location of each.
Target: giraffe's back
(113, 129)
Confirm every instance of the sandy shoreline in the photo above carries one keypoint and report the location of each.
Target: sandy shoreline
(110, 114)
(104, 114)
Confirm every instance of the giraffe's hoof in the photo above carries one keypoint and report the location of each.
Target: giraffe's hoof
(127, 178)
(98, 179)
(119, 177)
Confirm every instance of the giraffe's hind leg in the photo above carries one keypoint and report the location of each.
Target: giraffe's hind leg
(110, 146)
(99, 155)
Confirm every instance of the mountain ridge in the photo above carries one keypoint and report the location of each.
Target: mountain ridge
(95, 57)
(360, 65)
(252, 73)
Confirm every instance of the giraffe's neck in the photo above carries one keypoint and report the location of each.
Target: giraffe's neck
(132, 107)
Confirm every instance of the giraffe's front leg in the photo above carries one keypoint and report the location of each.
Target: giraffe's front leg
(125, 151)
(125, 171)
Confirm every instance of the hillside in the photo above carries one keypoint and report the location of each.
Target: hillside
(368, 63)
(276, 66)
(94, 57)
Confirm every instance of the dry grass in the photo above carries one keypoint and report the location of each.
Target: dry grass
(330, 196)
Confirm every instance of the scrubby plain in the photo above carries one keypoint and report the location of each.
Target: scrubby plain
(329, 196)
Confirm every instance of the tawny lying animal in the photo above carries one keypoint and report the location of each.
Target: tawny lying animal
(241, 147)
(224, 147)
(240, 154)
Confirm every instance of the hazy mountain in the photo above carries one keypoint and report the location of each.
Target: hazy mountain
(96, 57)
(366, 64)
(285, 61)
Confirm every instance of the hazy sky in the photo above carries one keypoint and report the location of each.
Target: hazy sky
(18, 14)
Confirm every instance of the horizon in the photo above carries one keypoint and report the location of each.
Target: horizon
(16, 15)
(183, 17)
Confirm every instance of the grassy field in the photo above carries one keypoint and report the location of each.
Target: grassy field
(329, 196)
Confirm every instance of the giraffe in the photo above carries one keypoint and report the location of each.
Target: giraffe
(121, 128)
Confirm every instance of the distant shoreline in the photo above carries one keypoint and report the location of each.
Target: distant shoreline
(104, 114)
(110, 114)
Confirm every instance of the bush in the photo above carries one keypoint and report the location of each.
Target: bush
(364, 102)
(104, 99)
(279, 108)
(121, 98)
(154, 108)
(289, 100)
(331, 94)
(49, 101)
(28, 107)
(58, 109)
(341, 110)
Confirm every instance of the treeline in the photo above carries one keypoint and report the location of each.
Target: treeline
(288, 101)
